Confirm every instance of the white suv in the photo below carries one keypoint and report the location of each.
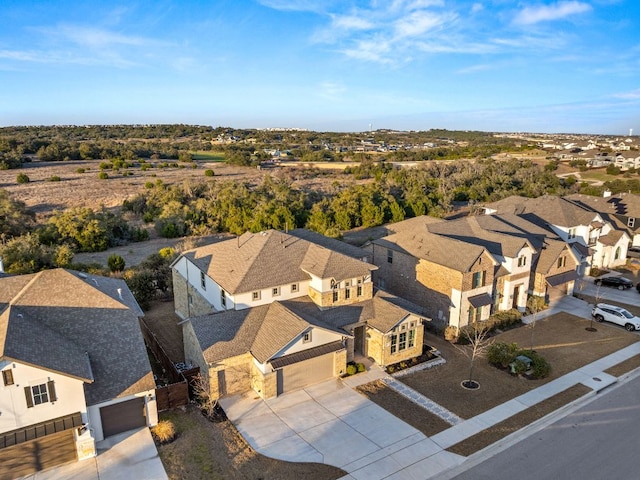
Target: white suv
(611, 313)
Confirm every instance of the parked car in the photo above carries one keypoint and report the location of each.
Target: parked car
(618, 282)
(603, 312)
(633, 252)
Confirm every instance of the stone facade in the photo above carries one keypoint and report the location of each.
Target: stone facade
(232, 375)
(187, 300)
(325, 299)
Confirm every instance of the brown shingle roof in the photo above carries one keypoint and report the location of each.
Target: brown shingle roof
(58, 315)
(551, 209)
(255, 261)
(449, 252)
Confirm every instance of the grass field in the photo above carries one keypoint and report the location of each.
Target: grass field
(208, 156)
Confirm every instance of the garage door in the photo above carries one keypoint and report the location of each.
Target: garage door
(123, 416)
(307, 372)
(35, 455)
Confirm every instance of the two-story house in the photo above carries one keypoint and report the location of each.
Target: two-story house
(74, 368)
(274, 311)
(593, 239)
(621, 210)
(451, 279)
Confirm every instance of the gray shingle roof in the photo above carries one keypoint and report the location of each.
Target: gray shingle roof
(552, 209)
(255, 261)
(58, 315)
(330, 243)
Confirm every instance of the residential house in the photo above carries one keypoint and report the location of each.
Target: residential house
(74, 368)
(593, 239)
(621, 210)
(451, 279)
(274, 311)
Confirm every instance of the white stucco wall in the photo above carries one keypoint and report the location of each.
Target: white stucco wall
(14, 412)
(319, 336)
(245, 300)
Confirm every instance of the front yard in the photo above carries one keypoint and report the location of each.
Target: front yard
(561, 339)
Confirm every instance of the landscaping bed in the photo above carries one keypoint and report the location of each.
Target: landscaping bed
(561, 339)
(403, 408)
(205, 450)
(624, 367)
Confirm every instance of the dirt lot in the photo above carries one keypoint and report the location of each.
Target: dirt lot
(205, 450)
(561, 339)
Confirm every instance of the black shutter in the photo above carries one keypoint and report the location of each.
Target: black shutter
(52, 391)
(27, 394)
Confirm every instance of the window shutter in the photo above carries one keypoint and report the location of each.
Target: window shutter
(27, 394)
(52, 391)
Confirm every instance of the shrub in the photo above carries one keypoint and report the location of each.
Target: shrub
(501, 354)
(450, 333)
(80, 170)
(539, 365)
(164, 432)
(103, 175)
(351, 370)
(360, 367)
(139, 234)
(115, 263)
(149, 185)
(505, 319)
(22, 178)
(55, 178)
(208, 173)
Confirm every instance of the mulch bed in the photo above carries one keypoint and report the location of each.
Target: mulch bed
(491, 435)
(403, 408)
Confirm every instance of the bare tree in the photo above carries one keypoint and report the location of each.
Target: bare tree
(477, 338)
(201, 389)
(535, 304)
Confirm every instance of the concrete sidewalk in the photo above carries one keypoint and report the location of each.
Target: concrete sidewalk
(330, 423)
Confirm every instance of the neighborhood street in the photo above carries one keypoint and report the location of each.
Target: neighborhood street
(599, 440)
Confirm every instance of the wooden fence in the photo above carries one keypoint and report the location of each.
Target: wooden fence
(176, 393)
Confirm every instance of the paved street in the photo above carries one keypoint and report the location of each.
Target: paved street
(599, 440)
(608, 294)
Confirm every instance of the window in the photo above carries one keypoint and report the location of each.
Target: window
(522, 261)
(347, 293)
(617, 254)
(306, 338)
(478, 279)
(7, 376)
(335, 295)
(389, 256)
(572, 234)
(275, 291)
(359, 289)
(294, 287)
(562, 261)
(39, 394)
(475, 314)
(255, 296)
(399, 338)
(190, 299)
(223, 298)
(631, 222)
(203, 283)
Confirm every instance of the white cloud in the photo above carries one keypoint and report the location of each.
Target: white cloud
(418, 23)
(544, 13)
(331, 89)
(351, 22)
(632, 95)
(476, 7)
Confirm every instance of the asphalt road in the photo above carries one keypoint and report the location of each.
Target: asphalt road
(598, 441)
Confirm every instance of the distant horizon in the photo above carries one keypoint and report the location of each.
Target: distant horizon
(549, 66)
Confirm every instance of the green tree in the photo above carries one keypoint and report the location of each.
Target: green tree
(15, 218)
(115, 263)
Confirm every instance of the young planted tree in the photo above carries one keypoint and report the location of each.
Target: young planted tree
(477, 338)
(535, 305)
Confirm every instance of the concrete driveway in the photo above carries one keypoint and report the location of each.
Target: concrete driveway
(128, 455)
(609, 294)
(332, 424)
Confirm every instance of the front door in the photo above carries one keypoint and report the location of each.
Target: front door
(359, 345)
(516, 296)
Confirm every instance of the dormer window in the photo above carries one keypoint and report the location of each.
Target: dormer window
(306, 338)
(522, 261)
(255, 296)
(562, 261)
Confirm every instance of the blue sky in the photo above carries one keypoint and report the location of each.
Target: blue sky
(334, 65)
